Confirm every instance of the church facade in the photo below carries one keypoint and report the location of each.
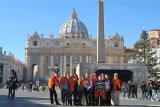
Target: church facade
(7, 63)
(73, 46)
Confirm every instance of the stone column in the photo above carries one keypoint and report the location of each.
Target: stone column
(61, 71)
(41, 67)
(4, 73)
(80, 57)
(90, 59)
(8, 70)
(71, 65)
(51, 64)
(100, 34)
(64, 66)
(51, 61)
(29, 71)
(86, 58)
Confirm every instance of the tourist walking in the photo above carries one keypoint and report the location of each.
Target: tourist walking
(134, 90)
(155, 88)
(124, 89)
(129, 89)
(149, 89)
(144, 90)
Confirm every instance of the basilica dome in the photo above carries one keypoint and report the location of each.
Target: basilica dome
(73, 28)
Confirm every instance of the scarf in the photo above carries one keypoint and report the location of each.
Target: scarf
(107, 84)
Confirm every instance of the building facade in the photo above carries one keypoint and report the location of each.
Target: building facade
(7, 63)
(74, 45)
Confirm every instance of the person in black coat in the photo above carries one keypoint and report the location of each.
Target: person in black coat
(129, 89)
(108, 90)
(134, 90)
(9, 84)
(144, 90)
(12, 83)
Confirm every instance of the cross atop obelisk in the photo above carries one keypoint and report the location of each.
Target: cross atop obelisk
(100, 34)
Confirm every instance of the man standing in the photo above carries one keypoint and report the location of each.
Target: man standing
(87, 89)
(94, 79)
(64, 86)
(116, 89)
(53, 81)
(108, 89)
(144, 90)
(129, 89)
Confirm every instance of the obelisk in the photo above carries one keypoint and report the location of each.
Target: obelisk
(100, 34)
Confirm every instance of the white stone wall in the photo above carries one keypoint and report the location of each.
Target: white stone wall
(140, 71)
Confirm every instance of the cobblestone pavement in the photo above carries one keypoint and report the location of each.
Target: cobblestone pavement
(41, 99)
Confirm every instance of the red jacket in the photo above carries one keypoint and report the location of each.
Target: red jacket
(116, 84)
(63, 80)
(94, 79)
(72, 84)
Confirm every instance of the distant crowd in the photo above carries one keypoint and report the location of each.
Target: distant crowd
(149, 89)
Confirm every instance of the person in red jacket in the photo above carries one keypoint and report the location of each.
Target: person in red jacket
(64, 86)
(87, 89)
(100, 92)
(116, 89)
(94, 80)
(53, 81)
(72, 82)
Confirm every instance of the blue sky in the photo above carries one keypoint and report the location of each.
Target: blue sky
(21, 17)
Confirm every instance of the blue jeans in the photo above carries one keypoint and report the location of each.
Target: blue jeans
(143, 94)
(154, 95)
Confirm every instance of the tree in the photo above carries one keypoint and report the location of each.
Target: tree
(145, 53)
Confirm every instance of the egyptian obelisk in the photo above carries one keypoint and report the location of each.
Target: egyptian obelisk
(100, 34)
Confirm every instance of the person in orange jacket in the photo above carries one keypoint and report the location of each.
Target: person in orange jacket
(116, 89)
(53, 81)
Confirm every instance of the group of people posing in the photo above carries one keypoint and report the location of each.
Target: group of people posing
(86, 90)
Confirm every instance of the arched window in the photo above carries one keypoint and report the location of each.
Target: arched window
(116, 44)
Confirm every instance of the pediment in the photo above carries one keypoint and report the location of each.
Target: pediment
(116, 37)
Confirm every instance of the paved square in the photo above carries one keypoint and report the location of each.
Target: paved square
(41, 99)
